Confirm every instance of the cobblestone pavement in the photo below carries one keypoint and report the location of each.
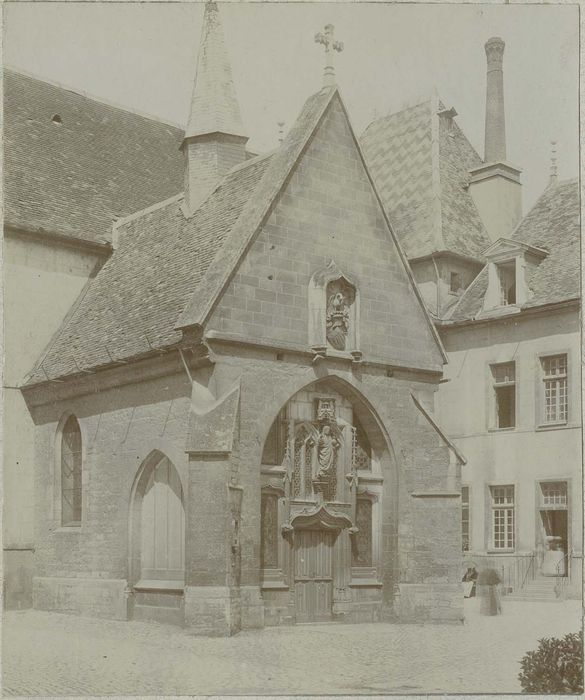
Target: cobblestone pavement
(50, 654)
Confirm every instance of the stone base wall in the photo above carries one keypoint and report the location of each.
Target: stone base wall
(252, 607)
(213, 611)
(18, 576)
(429, 602)
(106, 598)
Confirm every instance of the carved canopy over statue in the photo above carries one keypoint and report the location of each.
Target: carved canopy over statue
(333, 312)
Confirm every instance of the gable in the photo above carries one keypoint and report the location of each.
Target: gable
(327, 210)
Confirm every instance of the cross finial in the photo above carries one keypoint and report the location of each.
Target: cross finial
(553, 162)
(326, 38)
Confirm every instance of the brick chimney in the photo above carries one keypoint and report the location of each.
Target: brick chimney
(495, 185)
(214, 140)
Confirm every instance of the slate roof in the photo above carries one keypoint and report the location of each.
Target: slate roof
(133, 304)
(75, 177)
(168, 270)
(552, 223)
(420, 162)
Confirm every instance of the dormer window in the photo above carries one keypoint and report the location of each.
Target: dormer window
(510, 265)
(507, 277)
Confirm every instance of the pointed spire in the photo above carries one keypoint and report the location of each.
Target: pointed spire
(214, 139)
(214, 106)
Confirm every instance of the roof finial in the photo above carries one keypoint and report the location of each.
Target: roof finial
(326, 38)
(280, 132)
(553, 163)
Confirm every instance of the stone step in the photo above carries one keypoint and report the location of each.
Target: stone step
(532, 599)
(159, 613)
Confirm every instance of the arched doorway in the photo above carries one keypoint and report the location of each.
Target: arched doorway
(324, 509)
(157, 541)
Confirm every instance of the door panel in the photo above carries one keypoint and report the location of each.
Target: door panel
(313, 575)
(163, 526)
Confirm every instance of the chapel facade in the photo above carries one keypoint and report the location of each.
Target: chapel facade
(242, 434)
(237, 409)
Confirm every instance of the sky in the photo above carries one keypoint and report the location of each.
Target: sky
(143, 56)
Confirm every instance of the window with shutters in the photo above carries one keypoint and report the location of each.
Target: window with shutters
(71, 471)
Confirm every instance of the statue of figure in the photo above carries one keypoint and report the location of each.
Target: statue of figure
(337, 320)
(326, 452)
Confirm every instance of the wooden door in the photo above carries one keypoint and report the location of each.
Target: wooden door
(163, 526)
(313, 575)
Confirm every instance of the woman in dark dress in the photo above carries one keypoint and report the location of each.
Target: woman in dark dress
(489, 580)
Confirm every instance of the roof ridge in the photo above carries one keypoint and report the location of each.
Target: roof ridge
(436, 189)
(218, 273)
(123, 220)
(94, 98)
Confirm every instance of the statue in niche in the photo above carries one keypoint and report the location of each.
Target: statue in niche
(327, 448)
(339, 300)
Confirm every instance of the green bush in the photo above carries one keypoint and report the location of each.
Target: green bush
(556, 667)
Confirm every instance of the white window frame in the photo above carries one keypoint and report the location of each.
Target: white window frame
(506, 540)
(556, 379)
(506, 270)
(495, 421)
(467, 504)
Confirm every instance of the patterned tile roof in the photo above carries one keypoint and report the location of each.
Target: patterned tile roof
(74, 177)
(420, 162)
(552, 223)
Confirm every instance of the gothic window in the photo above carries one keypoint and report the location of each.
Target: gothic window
(269, 530)
(361, 554)
(71, 459)
(275, 445)
(363, 449)
(303, 462)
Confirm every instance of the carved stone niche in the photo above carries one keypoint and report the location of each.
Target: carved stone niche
(333, 313)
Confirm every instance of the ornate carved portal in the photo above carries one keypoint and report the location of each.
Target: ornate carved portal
(312, 545)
